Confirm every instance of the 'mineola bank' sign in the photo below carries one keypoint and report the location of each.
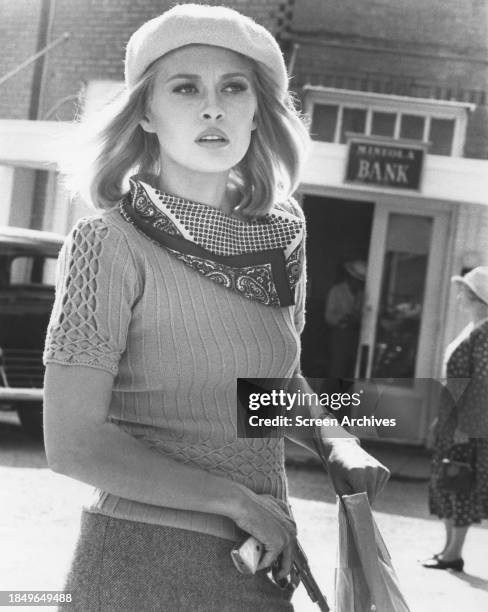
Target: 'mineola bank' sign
(372, 162)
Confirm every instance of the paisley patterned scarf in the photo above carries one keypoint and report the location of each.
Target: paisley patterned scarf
(259, 259)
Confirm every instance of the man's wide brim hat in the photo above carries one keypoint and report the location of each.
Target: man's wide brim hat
(357, 269)
(476, 280)
(197, 24)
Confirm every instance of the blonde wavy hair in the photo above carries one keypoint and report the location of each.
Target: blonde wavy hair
(118, 147)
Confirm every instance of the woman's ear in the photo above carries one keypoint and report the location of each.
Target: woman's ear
(146, 124)
(253, 124)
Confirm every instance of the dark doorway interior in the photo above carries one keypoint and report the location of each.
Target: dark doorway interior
(339, 232)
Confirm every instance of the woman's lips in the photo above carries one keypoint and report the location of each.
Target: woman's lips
(213, 144)
(212, 138)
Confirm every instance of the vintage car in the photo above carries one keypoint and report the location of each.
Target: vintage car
(27, 274)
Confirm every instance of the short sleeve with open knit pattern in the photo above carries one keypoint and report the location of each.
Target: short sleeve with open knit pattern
(96, 289)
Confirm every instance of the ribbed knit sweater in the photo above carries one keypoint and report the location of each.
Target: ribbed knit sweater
(175, 343)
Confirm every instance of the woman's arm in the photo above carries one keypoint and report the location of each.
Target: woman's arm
(471, 362)
(351, 468)
(81, 443)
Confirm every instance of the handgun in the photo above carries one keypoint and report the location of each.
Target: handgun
(302, 568)
(246, 558)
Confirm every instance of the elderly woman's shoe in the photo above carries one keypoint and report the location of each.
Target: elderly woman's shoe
(436, 563)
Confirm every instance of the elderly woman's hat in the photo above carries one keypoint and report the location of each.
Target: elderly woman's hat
(476, 280)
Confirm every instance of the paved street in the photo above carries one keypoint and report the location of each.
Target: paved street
(39, 512)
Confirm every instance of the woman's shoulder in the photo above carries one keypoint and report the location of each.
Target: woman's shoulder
(99, 245)
(98, 223)
(103, 225)
(104, 235)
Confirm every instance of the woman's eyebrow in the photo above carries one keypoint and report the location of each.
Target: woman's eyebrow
(182, 75)
(232, 75)
(228, 75)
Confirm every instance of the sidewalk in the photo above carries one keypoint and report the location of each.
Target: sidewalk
(409, 463)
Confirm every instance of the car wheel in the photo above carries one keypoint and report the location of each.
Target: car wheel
(30, 416)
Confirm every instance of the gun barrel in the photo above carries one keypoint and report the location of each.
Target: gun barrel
(311, 586)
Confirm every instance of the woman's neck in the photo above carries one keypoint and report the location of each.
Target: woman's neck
(480, 314)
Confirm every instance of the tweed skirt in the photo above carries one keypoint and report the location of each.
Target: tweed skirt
(122, 565)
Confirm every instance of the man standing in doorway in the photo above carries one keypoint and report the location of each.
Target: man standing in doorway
(343, 311)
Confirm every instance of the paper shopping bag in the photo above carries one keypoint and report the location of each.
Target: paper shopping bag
(365, 578)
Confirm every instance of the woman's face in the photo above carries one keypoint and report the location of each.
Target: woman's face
(202, 109)
(464, 299)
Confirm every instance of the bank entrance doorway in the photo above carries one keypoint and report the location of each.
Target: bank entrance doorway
(375, 297)
(338, 243)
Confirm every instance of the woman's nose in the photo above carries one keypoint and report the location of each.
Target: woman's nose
(212, 109)
(212, 113)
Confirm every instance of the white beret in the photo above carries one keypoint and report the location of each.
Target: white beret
(189, 24)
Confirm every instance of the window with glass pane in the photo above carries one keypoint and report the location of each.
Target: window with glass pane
(383, 124)
(441, 136)
(402, 296)
(412, 126)
(32, 270)
(353, 120)
(324, 121)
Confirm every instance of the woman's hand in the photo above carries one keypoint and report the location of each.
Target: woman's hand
(270, 522)
(353, 470)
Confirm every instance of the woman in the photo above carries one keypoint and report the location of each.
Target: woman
(461, 432)
(190, 279)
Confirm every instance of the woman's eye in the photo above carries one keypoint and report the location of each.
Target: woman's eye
(235, 86)
(185, 88)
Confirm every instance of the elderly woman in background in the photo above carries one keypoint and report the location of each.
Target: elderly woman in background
(461, 431)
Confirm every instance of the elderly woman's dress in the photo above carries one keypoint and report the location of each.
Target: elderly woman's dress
(467, 365)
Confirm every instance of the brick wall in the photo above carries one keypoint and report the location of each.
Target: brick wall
(438, 24)
(417, 34)
(436, 49)
(99, 30)
(18, 33)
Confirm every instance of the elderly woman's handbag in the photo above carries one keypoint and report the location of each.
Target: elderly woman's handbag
(456, 476)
